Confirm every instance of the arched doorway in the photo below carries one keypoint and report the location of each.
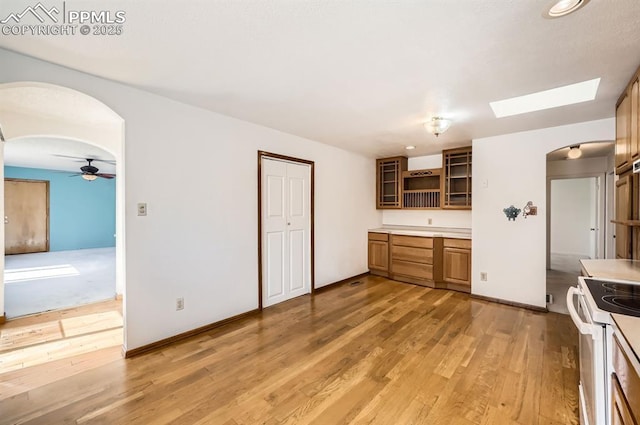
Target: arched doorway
(33, 110)
(579, 211)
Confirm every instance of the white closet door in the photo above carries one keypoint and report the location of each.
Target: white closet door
(286, 223)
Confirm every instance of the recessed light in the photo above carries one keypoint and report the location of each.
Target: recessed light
(547, 99)
(561, 8)
(411, 147)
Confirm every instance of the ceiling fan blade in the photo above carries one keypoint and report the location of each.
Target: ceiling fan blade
(105, 175)
(73, 175)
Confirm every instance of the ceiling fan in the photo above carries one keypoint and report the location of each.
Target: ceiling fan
(90, 173)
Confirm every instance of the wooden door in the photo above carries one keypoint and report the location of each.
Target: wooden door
(623, 212)
(457, 265)
(26, 205)
(286, 224)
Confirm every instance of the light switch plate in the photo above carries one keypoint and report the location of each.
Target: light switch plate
(142, 209)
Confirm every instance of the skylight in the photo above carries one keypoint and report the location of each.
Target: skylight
(547, 99)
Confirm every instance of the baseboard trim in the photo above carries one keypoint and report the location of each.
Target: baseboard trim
(3, 318)
(341, 282)
(511, 303)
(167, 341)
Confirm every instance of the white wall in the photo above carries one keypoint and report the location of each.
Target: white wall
(573, 206)
(439, 218)
(511, 170)
(197, 171)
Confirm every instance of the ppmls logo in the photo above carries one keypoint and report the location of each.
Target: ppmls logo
(38, 11)
(43, 20)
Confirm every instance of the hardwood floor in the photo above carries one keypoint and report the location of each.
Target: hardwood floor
(380, 352)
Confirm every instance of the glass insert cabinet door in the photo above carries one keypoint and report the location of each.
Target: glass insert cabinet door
(388, 181)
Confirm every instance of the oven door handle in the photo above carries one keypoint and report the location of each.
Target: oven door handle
(583, 327)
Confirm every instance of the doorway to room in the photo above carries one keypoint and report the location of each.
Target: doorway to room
(285, 211)
(73, 339)
(59, 225)
(579, 204)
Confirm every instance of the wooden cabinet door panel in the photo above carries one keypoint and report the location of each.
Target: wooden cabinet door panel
(378, 255)
(414, 241)
(633, 118)
(457, 265)
(620, 413)
(623, 212)
(407, 253)
(623, 145)
(417, 270)
(26, 216)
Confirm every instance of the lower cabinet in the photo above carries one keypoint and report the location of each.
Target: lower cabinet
(415, 259)
(379, 254)
(456, 259)
(625, 387)
(434, 262)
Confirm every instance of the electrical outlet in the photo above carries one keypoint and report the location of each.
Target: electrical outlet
(483, 276)
(142, 209)
(179, 303)
(429, 221)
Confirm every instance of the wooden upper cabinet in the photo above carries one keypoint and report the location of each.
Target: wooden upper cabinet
(623, 139)
(634, 141)
(389, 181)
(456, 178)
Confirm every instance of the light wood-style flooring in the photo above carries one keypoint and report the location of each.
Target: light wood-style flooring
(380, 352)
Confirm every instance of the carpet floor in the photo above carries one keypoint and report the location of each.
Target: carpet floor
(45, 281)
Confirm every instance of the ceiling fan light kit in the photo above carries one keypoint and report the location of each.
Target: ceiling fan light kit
(90, 173)
(574, 152)
(437, 125)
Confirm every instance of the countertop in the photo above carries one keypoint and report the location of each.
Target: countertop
(630, 328)
(431, 232)
(612, 269)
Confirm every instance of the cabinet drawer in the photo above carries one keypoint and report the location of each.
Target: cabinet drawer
(415, 241)
(457, 243)
(627, 377)
(407, 268)
(409, 253)
(378, 236)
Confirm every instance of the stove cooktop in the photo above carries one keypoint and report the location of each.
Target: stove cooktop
(615, 297)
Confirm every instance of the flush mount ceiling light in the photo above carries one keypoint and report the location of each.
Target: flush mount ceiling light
(561, 8)
(437, 125)
(410, 147)
(547, 99)
(574, 152)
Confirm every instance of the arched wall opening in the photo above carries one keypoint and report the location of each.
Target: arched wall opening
(34, 110)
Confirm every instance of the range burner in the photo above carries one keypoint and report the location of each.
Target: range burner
(630, 304)
(619, 288)
(615, 297)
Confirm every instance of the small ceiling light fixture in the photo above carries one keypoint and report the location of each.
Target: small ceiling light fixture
(574, 152)
(410, 147)
(437, 125)
(89, 177)
(561, 8)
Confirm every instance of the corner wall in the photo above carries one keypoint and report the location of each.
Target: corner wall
(197, 172)
(511, 170)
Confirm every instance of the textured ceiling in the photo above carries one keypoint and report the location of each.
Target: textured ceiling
(362, 75)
